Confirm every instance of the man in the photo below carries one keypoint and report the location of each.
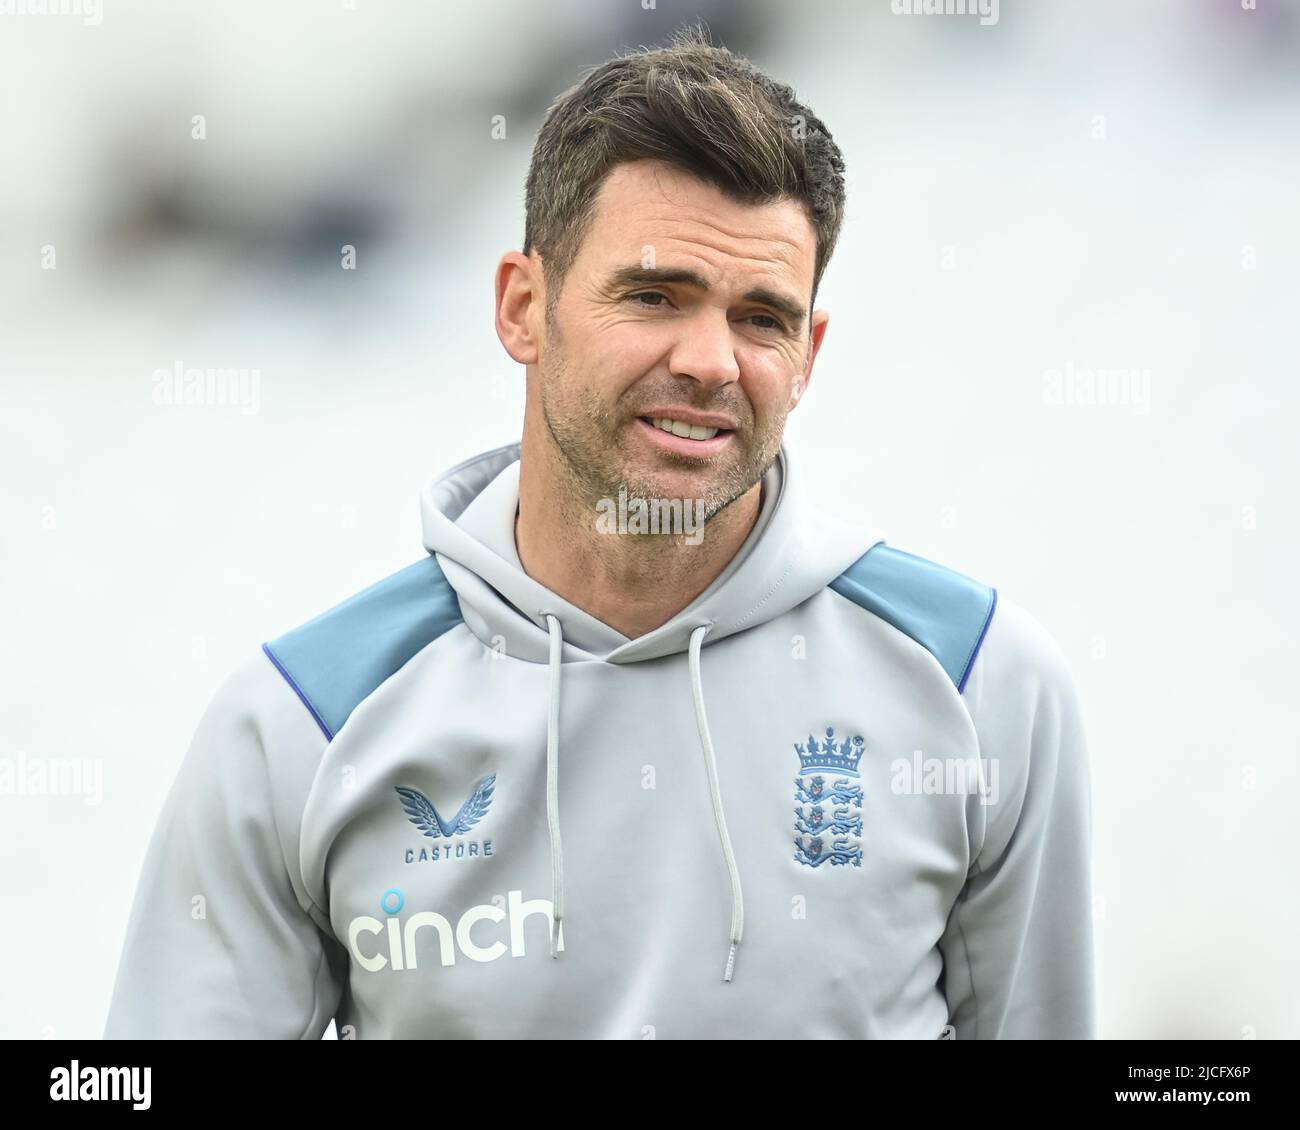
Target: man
(644, 745)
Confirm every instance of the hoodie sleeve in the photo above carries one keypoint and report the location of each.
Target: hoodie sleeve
(223, 941)
(1018, 946)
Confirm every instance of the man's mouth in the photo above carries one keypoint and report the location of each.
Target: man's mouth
(684, 436)
(682, 429)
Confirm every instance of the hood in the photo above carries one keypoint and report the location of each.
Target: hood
(468, 516)
(792, 552)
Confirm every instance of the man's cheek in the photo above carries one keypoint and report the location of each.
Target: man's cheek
(615, 371)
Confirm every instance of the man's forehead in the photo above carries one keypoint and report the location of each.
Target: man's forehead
(673, 212)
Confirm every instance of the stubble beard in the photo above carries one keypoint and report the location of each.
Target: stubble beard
(592, 440)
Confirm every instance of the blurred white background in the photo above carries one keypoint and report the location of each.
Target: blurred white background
(1086, 184)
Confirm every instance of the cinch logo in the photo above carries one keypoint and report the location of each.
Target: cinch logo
(401, 951)
(421, 812)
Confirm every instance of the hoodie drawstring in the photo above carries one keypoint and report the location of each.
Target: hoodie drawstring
(552, 792)
(552, 786)
(737, 899)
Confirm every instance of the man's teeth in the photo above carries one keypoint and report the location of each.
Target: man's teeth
(686, 431)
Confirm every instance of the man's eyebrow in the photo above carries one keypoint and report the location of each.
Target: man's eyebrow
(787, 307)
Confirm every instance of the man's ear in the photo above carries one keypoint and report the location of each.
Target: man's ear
(520, 299)
(816, 332)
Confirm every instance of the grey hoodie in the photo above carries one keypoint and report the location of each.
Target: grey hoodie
(844, 793)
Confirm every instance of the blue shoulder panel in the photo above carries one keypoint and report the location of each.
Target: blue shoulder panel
(338, 658)
(945, 612)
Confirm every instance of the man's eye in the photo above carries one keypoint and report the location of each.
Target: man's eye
(647, 294)
(773, 324)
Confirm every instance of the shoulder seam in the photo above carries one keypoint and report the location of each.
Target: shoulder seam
(936, 607)
(266, 647)
(338, 659)
(979, 642)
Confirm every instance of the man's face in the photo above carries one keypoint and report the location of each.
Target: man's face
(684, 305)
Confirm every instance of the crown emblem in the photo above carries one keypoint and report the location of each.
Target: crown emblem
(840, 757)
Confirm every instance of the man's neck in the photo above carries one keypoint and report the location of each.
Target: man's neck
(633, 583)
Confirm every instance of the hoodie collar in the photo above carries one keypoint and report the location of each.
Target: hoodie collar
(468, 518)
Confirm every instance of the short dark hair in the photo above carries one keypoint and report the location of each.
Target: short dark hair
(695, 106)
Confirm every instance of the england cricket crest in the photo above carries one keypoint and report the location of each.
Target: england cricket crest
(828, 818)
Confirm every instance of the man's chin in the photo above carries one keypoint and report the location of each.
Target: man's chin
(675, 480)
(711, 487)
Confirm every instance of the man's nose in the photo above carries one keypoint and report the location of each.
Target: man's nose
(706, 350)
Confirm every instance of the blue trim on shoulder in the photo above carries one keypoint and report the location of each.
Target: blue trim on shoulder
(946, 612)
(339, 658)
(297, 690)
(984, 631)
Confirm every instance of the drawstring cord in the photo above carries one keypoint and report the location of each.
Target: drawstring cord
(737, 899)
(552, 792)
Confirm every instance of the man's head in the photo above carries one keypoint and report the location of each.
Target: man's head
(681, 208)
